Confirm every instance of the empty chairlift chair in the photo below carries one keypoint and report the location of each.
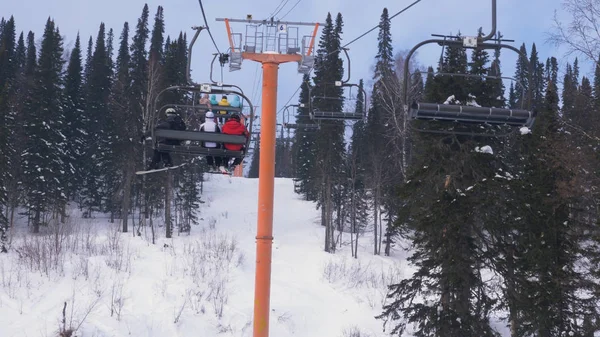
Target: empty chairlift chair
(351, 112)
(305, 127)
(467, 114)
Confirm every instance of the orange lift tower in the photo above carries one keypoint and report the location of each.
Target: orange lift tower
(270, 43)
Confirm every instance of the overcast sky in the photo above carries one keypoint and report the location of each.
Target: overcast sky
(524, 21)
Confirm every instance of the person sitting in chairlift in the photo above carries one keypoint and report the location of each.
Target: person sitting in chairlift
(223, 102)
(210, 125)
(204, 100)
(172, 122)
(233, 126)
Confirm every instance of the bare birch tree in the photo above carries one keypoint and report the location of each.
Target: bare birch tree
(582, 34)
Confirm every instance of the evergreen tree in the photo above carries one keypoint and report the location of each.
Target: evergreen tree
(356, 176)
(479, 88)
(124, 145)
(157, 40)
(496, 86)
(554, 305)
(20, 94)
(139, 76)
(329, 143)
(255, 163)
(7, 78)
(97, 131)
(188, 195)
(512, 97)
(303, 145)
(88, 61)
(537, 79)
(569, 92)
(597, 87)
(522, 78)
(75, 121)
(44, 160)
(430, 92)
(385, 106)
(583, 114)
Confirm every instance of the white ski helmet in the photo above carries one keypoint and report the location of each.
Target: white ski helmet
(171, 111)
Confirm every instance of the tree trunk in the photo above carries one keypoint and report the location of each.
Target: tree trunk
(353, 221)
(324, 223)
(381, 234)
(375, 218)
(510, 290)
(36, 221)
(168, 198)
(126, 202)
(388, 236)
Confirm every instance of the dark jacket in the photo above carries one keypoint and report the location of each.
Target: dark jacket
(172, 122)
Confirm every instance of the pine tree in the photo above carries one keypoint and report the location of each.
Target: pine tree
(19, 98)
(97, 131)
(75, 120)
(44, 160)
(522, 78)
(441, 212)
(303, 145)
(157, 40)
(88, 61)
(512, 97)
(255, 163)
(385, 166)
(538, 85)
(139, 77)
(496, 86)
(479, 88)
(597, 87)
(124, 145)
(329, 144)
(188, 195)
(569, 91)
(356, 176)
(553, 247)
(430, 92)
(8, 68)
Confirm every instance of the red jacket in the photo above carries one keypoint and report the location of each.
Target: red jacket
(234, 127)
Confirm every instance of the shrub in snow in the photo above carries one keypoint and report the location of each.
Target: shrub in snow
(484, 149)
(354, 332)
(525, 130)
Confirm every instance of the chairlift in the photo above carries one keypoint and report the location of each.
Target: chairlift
(297, 126)
(465, 114)
(191, 141)
(346, 113)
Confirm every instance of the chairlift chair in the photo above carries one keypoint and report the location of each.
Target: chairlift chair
(192, 140)
(351, 115)
(297, 126)
(465, 114)
(194, 146)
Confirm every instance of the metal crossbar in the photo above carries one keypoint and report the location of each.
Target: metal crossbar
(432, 111)
(200, 136)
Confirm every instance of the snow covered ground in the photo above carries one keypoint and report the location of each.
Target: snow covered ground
(115, 284)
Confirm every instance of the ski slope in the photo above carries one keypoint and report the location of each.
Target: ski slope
(117, 284)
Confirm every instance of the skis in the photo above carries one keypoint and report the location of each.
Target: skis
(218, 171)
(161, 169)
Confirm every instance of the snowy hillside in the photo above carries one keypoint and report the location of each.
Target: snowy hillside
(115, 284)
